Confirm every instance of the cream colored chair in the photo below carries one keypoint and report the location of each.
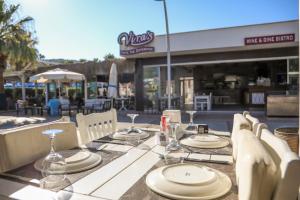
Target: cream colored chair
(96, 125)
(239, 123)
(21, 146)
(255, 169)
(253, 121)
(288, 165)
(174, 115)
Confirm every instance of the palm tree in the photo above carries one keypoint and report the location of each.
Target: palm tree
(17, 46)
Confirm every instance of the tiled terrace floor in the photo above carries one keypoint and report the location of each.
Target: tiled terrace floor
(218, 120)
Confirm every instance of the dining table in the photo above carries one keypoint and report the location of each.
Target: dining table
(121, 173)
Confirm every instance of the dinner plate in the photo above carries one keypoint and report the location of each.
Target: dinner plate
(76, 161)
(124, 135)
(188, 181)
(205, 141)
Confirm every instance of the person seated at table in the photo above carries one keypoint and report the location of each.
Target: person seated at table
(54, 104)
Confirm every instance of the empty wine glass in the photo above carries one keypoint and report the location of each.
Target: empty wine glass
(53, 165)
(191, 125)
(173, 144)
(173, 151)
(132, 129)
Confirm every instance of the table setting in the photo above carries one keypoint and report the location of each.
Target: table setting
(164, 161)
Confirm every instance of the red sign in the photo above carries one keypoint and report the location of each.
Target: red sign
(270, 39)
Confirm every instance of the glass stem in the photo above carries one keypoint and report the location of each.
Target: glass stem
(52, 145)
(132, 124)
(191, 118)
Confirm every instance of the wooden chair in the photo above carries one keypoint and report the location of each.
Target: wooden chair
(96, 125)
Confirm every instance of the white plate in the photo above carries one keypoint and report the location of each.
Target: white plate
(188, 181)
(123, 135)
(76, 161)
(205, 141)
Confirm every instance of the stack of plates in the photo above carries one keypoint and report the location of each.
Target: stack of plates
(124, 135)
(76, 161)
(205, 141)
(188, 181)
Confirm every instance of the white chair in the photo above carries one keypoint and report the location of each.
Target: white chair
(288, 165)
(203, 102)
(96, 125)
(239, 123)
(255, 169)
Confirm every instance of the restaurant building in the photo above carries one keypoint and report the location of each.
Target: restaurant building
(239, 66)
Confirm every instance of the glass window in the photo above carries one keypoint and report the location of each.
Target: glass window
(151, 86)
(293, 65)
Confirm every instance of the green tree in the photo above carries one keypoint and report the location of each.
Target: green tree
(109, 56)
(17, 46)
(82, 60)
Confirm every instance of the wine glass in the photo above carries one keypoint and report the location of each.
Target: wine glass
(173, 151)
(132, 129)
(53, 165)
(191, 125)
(173, 144)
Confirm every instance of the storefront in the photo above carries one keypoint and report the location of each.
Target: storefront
(238, 65)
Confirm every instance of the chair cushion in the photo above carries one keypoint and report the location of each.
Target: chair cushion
(255, 169)
(21, 146)
(239, 123)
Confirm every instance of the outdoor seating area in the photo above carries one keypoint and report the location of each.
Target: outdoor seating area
(107, 100)
(149, 160)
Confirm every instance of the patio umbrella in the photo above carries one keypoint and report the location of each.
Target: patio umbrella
(59, 75)
(113, 81)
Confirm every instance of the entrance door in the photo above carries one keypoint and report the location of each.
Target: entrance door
(187, 90)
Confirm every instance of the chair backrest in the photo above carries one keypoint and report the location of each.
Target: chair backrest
(21, 146)
(174, 115)
(107, 105)
(253, 121)
(92, 102)
(239, 123)
(288, 164)
(21, 103)
(64, 103)
(255, 169)
(96, 125)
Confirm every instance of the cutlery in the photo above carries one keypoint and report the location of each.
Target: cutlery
(161, 156)
(102, 147)
(208, 161)
(114, 142)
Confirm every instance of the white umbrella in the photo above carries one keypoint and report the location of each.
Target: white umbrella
(59, 75)
(113, 81)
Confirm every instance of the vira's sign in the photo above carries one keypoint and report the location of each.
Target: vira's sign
(138, 42)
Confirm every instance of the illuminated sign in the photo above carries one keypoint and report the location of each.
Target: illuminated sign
(270, 39)
(137, 41)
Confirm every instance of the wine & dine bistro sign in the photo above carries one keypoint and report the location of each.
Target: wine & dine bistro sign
(137, 43)
(290, 37)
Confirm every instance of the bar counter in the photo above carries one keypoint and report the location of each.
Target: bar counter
(283, 105)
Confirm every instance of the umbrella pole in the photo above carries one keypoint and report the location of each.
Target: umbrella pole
(85, 90)
(46, 94)
(59, 92)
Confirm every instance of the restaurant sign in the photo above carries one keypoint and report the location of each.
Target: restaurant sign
(270, 39)
(138, 42)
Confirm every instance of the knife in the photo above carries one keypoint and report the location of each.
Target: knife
(208, 161)
(113, 142)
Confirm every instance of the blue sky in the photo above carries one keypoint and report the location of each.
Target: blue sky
(88, 29)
